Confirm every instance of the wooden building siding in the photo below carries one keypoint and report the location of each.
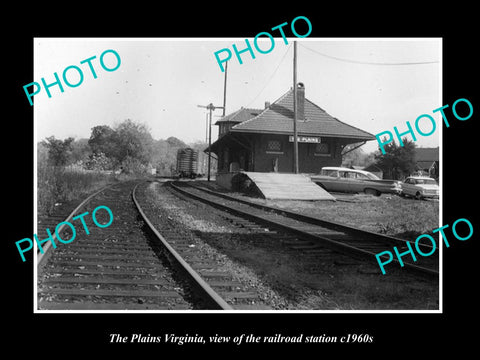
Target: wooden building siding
(258, 140)
(266, 160)
(274, 153)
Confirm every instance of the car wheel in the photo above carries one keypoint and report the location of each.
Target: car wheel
(418, 196)
(372, 192)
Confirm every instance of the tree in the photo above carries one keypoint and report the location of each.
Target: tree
(80, 151)
(398, 161)
(406, 157)
(128, 145)
(104, 140)
(164, 154)
(42, 153)
(175, 143)
(134, 141)
(59, 151)
(354, 157)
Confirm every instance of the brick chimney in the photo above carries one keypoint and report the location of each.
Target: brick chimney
(267, 104)
(300, 102)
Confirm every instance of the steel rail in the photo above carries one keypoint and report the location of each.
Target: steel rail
(390, 240)
(212, 296)
(42, 257)
(336, 245)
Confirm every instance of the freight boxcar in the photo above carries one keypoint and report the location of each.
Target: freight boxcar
(190, 163)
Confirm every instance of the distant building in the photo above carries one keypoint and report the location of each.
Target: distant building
(374, 169)
(261, 140)
(427, 162)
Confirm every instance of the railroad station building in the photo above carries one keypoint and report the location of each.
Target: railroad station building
(261, 140)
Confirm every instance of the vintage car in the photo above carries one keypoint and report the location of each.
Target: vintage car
(339, 179)
(420, 187)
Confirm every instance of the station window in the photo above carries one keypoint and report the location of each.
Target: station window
(274, 147)
(322, 149)
(224, 128)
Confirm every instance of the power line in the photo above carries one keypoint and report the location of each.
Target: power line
(368, 62)
(271, 76)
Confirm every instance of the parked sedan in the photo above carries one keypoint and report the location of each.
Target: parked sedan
(354, 181)
(420, 187)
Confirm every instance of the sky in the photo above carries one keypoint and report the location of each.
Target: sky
(160, 83)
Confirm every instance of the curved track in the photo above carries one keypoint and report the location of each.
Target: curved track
(345, 239)
(126, 266)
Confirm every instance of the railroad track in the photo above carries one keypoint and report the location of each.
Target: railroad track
(222, 278)
(312, 231)
(130, 265)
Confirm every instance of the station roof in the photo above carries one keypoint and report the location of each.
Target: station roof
(240, 115)
(278, 119)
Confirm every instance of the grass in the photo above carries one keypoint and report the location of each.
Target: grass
(387, 214)
(57, 185)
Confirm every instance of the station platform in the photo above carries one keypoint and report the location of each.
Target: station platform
(285, 186)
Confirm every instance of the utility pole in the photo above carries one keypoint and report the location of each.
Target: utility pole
(206, 127)
(225, 89)
(295, 137)
(210, 107)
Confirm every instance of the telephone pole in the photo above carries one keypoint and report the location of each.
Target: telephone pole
(211, 108)
(206, 127)
(295, 137)
(225, 89)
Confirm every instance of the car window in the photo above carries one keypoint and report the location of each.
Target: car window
(328, 172)
(363, 177)
(426, 181)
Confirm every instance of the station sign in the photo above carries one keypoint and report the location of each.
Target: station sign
(306, 139)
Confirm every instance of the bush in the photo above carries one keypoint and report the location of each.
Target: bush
(55, 184)
(132, 165)
(46, 188)
(99, 161)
